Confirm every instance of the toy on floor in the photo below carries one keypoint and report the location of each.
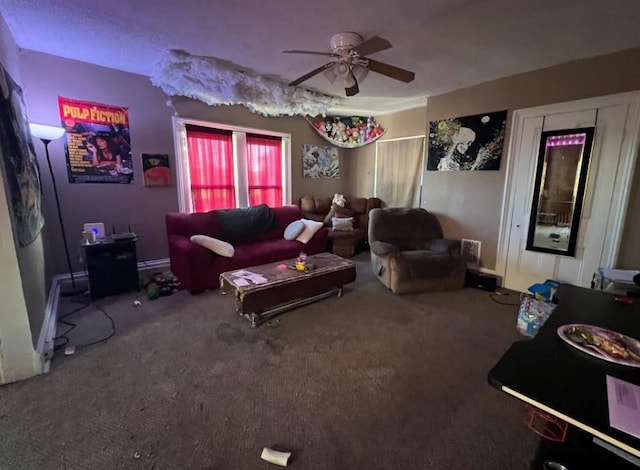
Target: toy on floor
(160, 285)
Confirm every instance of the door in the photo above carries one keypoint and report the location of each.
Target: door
(523, 267)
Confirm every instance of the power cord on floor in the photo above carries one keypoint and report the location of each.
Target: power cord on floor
(72, 325)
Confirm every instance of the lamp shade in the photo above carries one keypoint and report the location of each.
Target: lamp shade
(330, 75)
(349, 81)
(45, 132)
(341, 69)
(360, 72)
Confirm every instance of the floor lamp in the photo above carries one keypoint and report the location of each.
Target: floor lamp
(46, 134)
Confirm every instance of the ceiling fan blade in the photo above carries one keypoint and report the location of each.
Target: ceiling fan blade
(295, 51)
(314, 72)
(371, 45)
(354, 90)
(391, 71)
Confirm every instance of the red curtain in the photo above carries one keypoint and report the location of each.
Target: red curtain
(264, 168)
(211, 169)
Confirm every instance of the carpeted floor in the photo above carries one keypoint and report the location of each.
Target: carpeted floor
(367, 381)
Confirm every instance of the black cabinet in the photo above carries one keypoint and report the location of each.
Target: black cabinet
(112, 267)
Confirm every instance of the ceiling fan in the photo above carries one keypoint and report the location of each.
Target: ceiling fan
(350, 63)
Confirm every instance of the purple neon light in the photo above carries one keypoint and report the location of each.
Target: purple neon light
(569, 139)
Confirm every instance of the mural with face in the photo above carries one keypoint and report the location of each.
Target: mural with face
(467, 143)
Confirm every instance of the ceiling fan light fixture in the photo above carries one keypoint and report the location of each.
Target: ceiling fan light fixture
(330, 75)
(360, 72)
(341, 69)
(349, 81)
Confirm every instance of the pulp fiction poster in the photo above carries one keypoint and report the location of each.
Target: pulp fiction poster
(98, 146)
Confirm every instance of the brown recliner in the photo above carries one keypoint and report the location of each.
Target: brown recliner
(409, 253)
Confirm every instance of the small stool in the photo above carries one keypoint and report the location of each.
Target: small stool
(344, 243)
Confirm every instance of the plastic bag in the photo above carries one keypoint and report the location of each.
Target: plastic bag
(532, 315)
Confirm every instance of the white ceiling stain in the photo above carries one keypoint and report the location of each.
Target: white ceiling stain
(216, 82)
(449, 44)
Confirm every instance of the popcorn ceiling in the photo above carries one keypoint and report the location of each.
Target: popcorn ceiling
(215, 82)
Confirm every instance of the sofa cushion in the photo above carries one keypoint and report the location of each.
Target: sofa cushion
(307, 204)
(323, 204)
(310, 229)
(294, 229)
(427, 264)
(254, 254)
(219, 247)
(343, 212)
(357, 204)
(342, 224)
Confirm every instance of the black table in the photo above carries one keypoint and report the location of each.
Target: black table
(112, 267)
(563, 381)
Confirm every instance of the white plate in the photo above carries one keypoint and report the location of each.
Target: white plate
(602, 343)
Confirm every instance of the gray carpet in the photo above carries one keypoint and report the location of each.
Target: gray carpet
(366, 381)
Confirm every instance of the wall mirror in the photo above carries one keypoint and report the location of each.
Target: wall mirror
(561, 175)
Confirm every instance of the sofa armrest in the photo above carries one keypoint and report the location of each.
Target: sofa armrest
(444, 245)
(383, 248)
(189, 262)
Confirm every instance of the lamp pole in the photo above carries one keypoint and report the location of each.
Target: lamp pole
(46, 134)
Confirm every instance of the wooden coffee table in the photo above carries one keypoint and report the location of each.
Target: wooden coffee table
(286, 288)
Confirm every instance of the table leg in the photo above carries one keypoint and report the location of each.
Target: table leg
(258, 318)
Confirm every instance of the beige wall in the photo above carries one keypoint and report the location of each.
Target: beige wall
(21, 275)
(469, 203)
(45, 77)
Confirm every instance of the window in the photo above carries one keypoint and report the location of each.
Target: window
(222, 167)
(399, 167)
(264, 170)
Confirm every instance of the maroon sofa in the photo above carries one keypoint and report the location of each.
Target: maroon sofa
(199, 269)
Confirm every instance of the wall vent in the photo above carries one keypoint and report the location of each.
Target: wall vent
(470, 250)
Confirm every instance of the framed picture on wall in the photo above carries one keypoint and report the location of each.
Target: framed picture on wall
(19, 163)
(468, 143)
(98, 142)
(155, 168)
(320, 162)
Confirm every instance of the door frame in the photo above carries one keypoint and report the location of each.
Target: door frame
(623, 179)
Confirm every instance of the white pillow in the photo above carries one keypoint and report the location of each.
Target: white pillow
(342, 224)
(310, 229)
(219, 247)
(294, 229)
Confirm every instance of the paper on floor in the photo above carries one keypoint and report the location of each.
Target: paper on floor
(275, 457)
(624, 405)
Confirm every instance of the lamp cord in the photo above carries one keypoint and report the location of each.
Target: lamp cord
(55, 192)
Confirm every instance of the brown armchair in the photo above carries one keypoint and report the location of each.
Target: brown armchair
(409, 253)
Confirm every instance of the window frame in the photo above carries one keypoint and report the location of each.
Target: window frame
(238, 133)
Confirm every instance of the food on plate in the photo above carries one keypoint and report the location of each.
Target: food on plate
(608, 343)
